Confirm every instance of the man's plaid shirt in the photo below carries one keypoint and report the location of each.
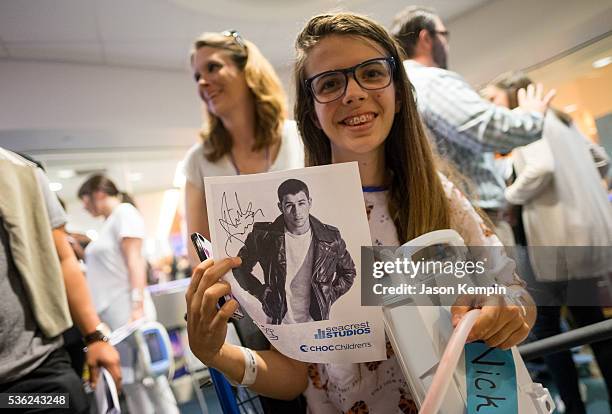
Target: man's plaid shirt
(467, 129)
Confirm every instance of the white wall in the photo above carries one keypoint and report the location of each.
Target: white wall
(515, 34)
(43, 95)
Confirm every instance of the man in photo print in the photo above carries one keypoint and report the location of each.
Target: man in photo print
(306, 266)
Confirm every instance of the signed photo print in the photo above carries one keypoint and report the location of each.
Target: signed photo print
(295, 262)
(299, 235)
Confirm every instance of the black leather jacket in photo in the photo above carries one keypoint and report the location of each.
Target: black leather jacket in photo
(333, 269)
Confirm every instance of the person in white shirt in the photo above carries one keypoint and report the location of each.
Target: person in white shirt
(247, 131)
(562, 203)
(116, 273)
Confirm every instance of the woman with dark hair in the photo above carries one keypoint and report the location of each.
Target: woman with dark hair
(354, 103)
(562, 203)
(115, 265)
(116, 274)
(246, 131)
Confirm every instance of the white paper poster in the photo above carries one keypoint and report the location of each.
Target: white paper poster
(299, 234)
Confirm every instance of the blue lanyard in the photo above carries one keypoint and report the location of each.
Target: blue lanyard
(373, 189)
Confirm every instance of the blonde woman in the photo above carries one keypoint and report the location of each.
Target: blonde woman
(246, 130)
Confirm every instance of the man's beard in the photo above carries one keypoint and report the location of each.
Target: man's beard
(439, 54)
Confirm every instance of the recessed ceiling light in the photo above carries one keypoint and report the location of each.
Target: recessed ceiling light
(66, 174)
(600, 63)
(135, 176)
(55, 186)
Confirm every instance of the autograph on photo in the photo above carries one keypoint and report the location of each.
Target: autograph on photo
(236, 223)
(268, 332)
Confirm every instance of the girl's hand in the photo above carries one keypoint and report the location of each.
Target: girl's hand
(501, 323)
(207, 326)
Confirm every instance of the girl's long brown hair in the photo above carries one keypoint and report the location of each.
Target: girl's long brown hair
(417, 201)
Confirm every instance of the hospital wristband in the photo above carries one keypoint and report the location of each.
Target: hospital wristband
(250, 367)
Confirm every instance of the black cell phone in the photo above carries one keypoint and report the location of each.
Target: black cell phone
(199, 242)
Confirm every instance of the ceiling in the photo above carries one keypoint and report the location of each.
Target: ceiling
(573, 64)
(144, 163)
(125, 36)
(153, 35)
(157, 33)
(579, 85)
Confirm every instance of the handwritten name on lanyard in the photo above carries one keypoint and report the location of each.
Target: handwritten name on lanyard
(491, 380)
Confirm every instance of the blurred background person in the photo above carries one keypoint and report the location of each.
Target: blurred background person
(116, 273)
(246, 132)
(558, 185)
(466, 128)
(73, 339)
(41, 289)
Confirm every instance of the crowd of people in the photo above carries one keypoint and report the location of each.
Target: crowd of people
(422, 137)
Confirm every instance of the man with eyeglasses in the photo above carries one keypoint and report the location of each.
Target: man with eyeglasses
(466, 128)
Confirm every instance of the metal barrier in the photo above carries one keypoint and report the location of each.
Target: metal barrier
(580, 336)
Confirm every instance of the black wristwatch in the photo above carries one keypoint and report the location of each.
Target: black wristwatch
(100, 334)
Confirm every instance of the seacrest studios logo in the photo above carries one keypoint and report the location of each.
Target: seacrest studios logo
(340, 331)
